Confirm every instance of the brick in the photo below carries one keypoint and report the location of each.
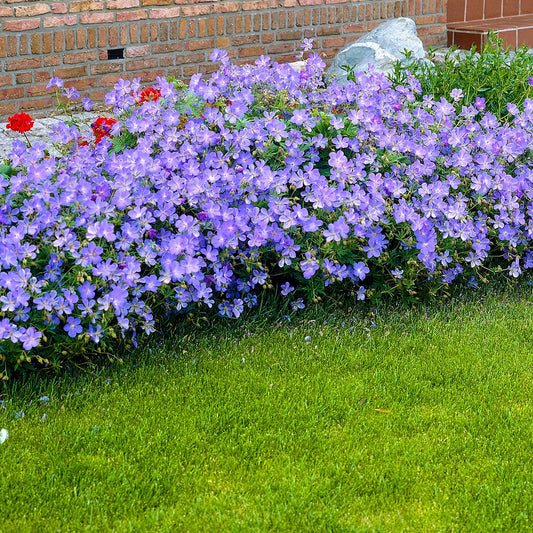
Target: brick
(267, 38)
(81, 85)
(190, 58)
(122, 4)
(327, 30)
(23, 78)
(202, 28)
(151, 75)
(183, 29)
(71, 72)
(23, 45)
(192, 29)
(355, 28)
(128, 16)
(7, 79)
(47, 43)
(141, 64)
(335, 42)
(165, 13)
(294, 35)
(69, 40)
(137, 51)
(166, 61)
(113, 37)
(195, 11)
(97, 96)
(11, 46)
(91, 37)
(38, 103)
(59, 8)
(32, 11)
(42, 75)
(221, 22)
(36, 90)
(163, 31)
(156, 2)
(281, 48)
(144, 33)
(36, 43)
(22, 25)
(173, 29)
(79, 57)
(240, 40)
(167, 48)
(8, 108)
(56, 22)
(52, 60)
(107, 68)
(227, 7)
(6, 12)
(154, 31)
(426, 20)
(81, 38)
(123, 35)
(222, 42)
(97, 18)
(258, 5)
(23, 64)
(204, 44)
(102, 37)
(85, 5)
(254, 51)
(109, 81)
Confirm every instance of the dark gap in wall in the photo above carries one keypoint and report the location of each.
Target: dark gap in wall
(115, 53)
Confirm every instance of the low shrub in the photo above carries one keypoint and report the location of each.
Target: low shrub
(495, 73)
(258, 178)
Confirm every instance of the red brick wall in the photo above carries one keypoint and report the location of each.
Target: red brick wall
(466, 10)
(70, 38)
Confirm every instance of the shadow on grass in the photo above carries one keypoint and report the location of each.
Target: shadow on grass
(174, 341)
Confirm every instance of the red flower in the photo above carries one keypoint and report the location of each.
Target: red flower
(102, 128)
(149, 94)
(20, 122)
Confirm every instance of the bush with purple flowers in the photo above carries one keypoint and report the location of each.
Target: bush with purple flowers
(258, 178)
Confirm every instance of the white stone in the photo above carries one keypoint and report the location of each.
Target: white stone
(380, 48)
(42, 128)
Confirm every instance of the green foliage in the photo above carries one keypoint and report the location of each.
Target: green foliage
(496, 73)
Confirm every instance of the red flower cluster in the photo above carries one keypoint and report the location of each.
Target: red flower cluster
(20, 122)
(149, 94)
(102, 128)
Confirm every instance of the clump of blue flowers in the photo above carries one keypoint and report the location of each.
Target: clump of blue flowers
(256, 178)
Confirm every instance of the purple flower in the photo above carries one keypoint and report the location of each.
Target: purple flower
(30, 338)
(73, 327)
(286, 288)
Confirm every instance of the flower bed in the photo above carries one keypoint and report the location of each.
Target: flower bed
(258, 178)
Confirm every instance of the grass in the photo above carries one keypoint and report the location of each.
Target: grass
(417, 420)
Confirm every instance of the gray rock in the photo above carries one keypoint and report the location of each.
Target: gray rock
(40, 132)
(382, 47)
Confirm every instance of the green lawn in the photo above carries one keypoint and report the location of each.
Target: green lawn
(400, 421)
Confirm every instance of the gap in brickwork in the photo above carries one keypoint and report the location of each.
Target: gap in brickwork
(115, 53)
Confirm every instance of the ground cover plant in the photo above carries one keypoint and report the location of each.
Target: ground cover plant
(375, 420)
(257, 178)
